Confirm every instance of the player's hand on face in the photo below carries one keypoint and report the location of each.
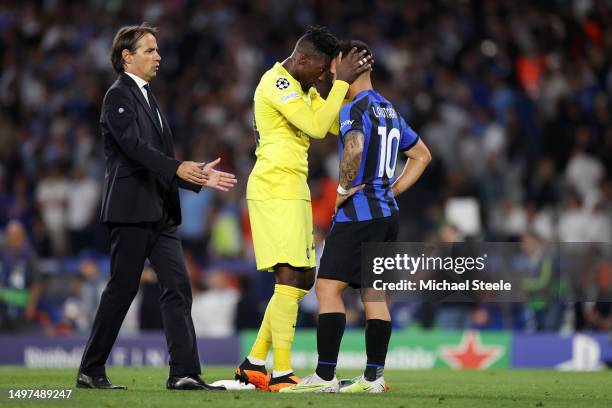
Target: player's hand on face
(354, 64)
(341, 199)
(216, 179)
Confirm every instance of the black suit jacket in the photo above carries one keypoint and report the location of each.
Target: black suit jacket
(140, 177)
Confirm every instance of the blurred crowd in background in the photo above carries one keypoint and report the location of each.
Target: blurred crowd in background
(513, 99)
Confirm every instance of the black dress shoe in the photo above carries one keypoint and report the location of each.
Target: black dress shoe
(99, 382)
(191, 382)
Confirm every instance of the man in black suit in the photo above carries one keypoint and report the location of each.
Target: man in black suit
(140, 206)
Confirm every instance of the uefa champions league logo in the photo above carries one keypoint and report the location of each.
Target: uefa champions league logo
(282, 83)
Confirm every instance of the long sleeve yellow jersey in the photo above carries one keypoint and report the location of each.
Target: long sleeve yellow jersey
(286, 118)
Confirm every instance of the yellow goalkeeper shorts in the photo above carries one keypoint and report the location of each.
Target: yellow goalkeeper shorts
(282, 233)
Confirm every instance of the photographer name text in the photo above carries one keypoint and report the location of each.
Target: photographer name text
(433, 285)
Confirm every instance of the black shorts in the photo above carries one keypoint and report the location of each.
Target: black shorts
(341, 258)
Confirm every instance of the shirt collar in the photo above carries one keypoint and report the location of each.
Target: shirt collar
(139, 81)
(362, 93)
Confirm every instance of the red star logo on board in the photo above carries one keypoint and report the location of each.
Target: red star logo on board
(470, 353)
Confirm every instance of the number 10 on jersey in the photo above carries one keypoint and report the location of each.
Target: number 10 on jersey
(388, 151)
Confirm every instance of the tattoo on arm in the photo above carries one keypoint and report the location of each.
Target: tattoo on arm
(351, 158)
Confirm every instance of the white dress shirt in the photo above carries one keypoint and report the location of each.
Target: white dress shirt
(141, 85)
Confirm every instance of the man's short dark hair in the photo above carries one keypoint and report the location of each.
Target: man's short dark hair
(345, 47)
(321, 39)
(126, 39)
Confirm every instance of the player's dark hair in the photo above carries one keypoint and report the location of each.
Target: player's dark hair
(321, 39)
(126, 39)
(345, 46)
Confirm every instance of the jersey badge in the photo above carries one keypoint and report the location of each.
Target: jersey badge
(282, 83)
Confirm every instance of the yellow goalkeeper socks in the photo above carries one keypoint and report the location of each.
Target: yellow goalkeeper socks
(264, 337)
(283, 310)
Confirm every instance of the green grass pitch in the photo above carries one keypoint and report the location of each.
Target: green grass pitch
(436, 388)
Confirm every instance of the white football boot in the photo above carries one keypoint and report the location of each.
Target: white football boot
(314, 383)
(362, 386)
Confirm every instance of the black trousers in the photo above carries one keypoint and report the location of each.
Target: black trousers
(131, 245)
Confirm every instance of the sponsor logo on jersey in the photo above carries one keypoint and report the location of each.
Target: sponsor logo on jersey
(346, 123)
(289, 97)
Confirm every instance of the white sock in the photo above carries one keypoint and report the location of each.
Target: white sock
(280, 373)
(256, 361)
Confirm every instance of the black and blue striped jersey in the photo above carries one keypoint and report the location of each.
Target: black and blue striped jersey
(385, 133)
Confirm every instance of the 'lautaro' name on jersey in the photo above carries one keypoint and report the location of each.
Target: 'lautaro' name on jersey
(382, 112)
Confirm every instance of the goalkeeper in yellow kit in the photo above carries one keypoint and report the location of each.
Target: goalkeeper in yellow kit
(289, 111)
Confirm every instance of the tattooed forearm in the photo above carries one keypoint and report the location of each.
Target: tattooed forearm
(351, 158)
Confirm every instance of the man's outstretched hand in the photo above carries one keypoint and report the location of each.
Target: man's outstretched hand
(206, 175)
(218, 179)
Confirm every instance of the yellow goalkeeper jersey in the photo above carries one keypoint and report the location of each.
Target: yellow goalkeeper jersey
(286, 118)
